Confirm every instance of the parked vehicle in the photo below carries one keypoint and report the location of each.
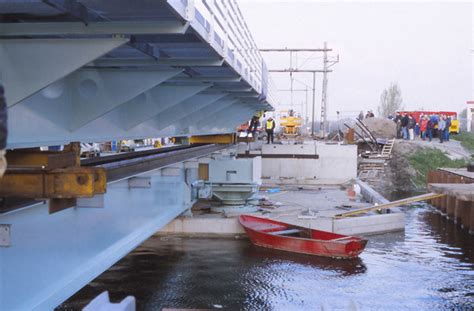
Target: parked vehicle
(127, 146)
(90, 150)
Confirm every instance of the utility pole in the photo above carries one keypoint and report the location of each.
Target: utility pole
(295, 69)
(324, 93)
(314, 104)
(326, 65)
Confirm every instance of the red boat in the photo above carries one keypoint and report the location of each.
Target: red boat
(282, 236)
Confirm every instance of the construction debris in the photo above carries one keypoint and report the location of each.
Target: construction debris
(381, 128)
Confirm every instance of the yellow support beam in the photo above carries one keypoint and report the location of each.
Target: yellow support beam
(68, 183)
(213, 139)
(37, 158)
(423, 197)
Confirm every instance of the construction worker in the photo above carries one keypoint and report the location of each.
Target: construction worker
(3, 131)
(442, 128)
(254, 124)
(269, 128)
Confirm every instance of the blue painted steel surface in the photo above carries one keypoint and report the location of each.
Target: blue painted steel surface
(86, 70)
(53, 256)
(101, 70)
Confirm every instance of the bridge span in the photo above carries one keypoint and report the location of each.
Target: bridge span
(95, 70)
(100, 70)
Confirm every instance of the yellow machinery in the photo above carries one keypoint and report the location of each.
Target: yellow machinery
(454, 128)
(291, 124)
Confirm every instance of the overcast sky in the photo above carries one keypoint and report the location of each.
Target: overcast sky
(423, 46)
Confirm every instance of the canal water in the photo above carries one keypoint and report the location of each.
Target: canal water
(428, 267)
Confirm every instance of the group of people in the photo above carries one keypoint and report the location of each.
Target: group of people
(426, 127)
(269, 128)
(369, 114)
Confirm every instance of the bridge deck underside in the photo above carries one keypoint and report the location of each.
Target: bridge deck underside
(91, 70)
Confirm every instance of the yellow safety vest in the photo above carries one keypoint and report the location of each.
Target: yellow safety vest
(269, 125)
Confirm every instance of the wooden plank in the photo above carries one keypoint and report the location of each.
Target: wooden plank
(423, 197)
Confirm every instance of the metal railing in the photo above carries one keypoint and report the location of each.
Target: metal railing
(221, 24)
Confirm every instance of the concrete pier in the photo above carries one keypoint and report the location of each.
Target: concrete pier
(309, 163)
(458, 204)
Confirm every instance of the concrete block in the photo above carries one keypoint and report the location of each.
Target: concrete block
(289, 149)
(337, 162)
(203, 226)
(370, 224)
(242, 148)
(270, 169)
(236, 170)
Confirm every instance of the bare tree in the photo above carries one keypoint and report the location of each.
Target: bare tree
(462, 117)
(390, 100)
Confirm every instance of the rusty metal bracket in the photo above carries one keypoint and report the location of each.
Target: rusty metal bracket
(44, 159)
(53, 175)
(39, 183)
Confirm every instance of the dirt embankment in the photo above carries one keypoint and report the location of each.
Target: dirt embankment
(400, 174)
(381, 128)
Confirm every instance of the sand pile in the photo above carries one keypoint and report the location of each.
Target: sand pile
(381, 128)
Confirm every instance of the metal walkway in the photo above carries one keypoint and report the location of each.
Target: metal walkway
(96, 70)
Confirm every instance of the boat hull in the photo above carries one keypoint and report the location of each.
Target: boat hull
(328, 244)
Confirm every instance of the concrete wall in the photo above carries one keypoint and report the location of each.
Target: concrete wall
(336, 164)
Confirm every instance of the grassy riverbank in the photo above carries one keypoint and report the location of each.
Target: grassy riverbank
(466, 139)
(426, 159)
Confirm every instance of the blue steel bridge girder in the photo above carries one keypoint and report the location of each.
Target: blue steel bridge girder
(116, 28)
(188, 124)
(184, 76)
(150, 104)
(53, 256)
(103, 90)
(29, 65)
(227, 79)
(189, 107)
(226, 117)
(177, 62)
(86, 95)
(239, 116)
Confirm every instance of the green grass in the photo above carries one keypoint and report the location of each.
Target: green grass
(466, 139)
(428, 159)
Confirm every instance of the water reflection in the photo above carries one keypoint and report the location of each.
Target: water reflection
(274, 257)
(430, 266)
